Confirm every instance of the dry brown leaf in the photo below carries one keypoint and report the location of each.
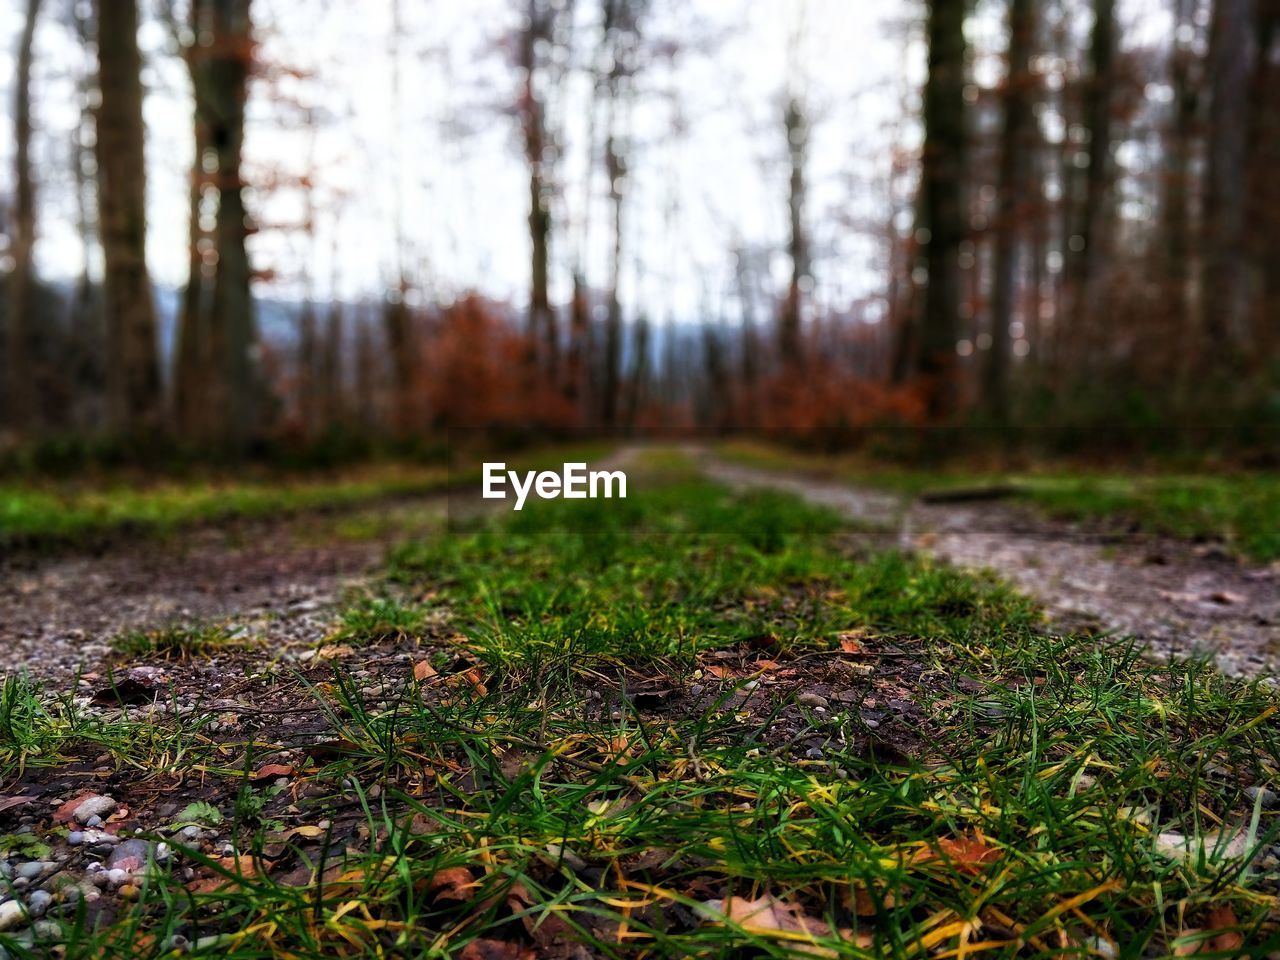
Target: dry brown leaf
(768, 916)
(242, 866)
(332, 651)
(272, 770)
(423, 670)
(547, 929)
(485, 949)
(968, 854)
(865, 905)
(452, 883)
(1223, 919)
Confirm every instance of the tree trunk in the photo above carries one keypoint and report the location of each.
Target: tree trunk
(797, 242)
(218, 338)
(20, 399)
(542, 321)
(1225, 299)
(1178, 154)
(943, 206)
(1013, 188)
(133, 369)
(1087, 245)
(191, 373)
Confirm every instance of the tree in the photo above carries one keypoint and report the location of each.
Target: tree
(132, 364)
(1087, 243)
(1012, 189)
(1224, 305)
(538, 31)
(218, 391)
(20, 401)
(942, 208)
(797, 134)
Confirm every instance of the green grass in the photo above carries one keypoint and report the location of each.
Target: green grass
(58, 512)
(1241, 509)
(535, 790)
(69, 513)
(178, 640)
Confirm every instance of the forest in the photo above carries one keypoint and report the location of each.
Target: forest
(1059, 216)
(639, 479)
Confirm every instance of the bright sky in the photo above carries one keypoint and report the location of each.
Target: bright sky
(462, 183)
(448, 161)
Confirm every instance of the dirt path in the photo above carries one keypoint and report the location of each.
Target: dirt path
(280, 578)
(1178, 599)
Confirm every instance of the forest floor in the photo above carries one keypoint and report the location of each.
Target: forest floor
(697, 722)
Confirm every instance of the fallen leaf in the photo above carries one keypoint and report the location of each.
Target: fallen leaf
(423, 670)
(968, 854)
(8, 803)
(129, 691)
(1223, 919)
(851, 640)
(332, 651)
(452, 883)
(769, 917)
(271, 770)
(484, 949)
(307, 832)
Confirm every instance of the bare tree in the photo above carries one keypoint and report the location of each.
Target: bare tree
(942, 186)
(218, 390)
(1087, 243)
(20, 401)
(132, 360)
(1014, 186)
(1224, 304)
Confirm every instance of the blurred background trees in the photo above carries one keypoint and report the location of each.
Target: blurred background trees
(1063, 214)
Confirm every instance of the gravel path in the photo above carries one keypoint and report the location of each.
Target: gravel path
(280, 578)
(1177, 598)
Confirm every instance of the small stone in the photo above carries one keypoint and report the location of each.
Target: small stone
(128, 891)
(38, 903)
(47, 930)
(116, 877)
(34, 870)
(12, 915)
(75, 838)
(94, 806)
(130, 856)
(1263, 795)
(697, 689)
(1101, 947)
(811, 700)
(94, 821)
(189, 834)
(814, 753)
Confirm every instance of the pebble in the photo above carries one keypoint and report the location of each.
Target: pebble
(189, 834)
(814, 753)
(812, 700)
(130, 856)
(94, 821)
(98, 806)
(38, 903)
(117, 877)
(34, 870)
(1263, 795)
(12, 915)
